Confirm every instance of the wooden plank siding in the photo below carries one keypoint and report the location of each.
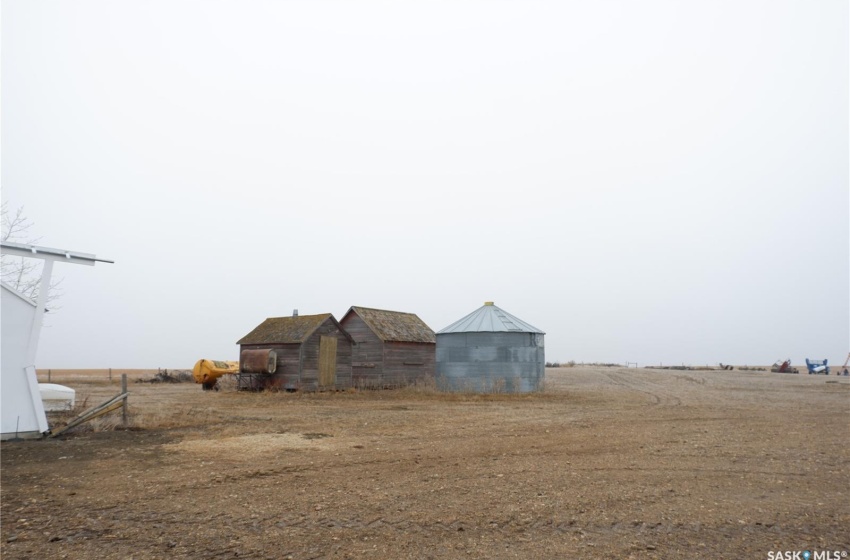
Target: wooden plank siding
(287, 373)
(310, 358)
(406, 363)
(298, 364)
(377, 363)
(370, 348)
(327, 361)
(367, 365)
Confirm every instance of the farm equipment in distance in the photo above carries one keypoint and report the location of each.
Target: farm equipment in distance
(207, 372)
(254, 363)
(817, 367)
(784, 367)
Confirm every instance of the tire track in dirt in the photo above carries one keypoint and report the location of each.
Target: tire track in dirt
(656, 393)
(697, 380)
(504, 526)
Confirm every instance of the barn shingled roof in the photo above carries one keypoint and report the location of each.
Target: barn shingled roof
(285, 330)
(395, 326)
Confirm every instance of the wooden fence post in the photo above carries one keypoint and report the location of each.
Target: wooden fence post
(110, 374)
(124, 390)
(48, 375)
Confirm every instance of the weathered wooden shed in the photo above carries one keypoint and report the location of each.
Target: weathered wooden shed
(313, 353)
(391, 349)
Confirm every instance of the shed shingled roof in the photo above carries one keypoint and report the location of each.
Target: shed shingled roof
(395, 326)
(285, 330)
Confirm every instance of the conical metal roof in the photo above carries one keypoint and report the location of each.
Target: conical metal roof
(489, 318)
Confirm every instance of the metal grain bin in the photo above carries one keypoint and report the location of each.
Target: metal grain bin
(490, 351)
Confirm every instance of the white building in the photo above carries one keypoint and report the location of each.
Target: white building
(22, 412)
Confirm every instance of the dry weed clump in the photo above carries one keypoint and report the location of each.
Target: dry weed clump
(175, 376)
(144, 413)
(425, 386)
(164, 416)
(108, 422)
(227, 384)
(430, 389)
(59, 418)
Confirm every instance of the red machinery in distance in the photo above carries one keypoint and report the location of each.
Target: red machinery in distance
(784, 367)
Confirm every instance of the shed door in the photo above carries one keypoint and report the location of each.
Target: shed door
(327, 361)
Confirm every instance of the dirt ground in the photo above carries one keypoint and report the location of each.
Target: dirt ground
(611, 462)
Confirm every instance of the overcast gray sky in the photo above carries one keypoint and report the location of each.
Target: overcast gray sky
(656, 181)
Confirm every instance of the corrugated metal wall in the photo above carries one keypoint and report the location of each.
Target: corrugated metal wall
(497, 362)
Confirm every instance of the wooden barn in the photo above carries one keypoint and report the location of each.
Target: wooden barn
(313, 353)
(391, 348)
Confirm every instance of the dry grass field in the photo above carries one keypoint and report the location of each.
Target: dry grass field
(605, 462)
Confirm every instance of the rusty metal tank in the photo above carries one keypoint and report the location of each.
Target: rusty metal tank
(259, 361)
(207, 372)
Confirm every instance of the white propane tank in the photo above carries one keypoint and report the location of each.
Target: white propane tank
(56, 397)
